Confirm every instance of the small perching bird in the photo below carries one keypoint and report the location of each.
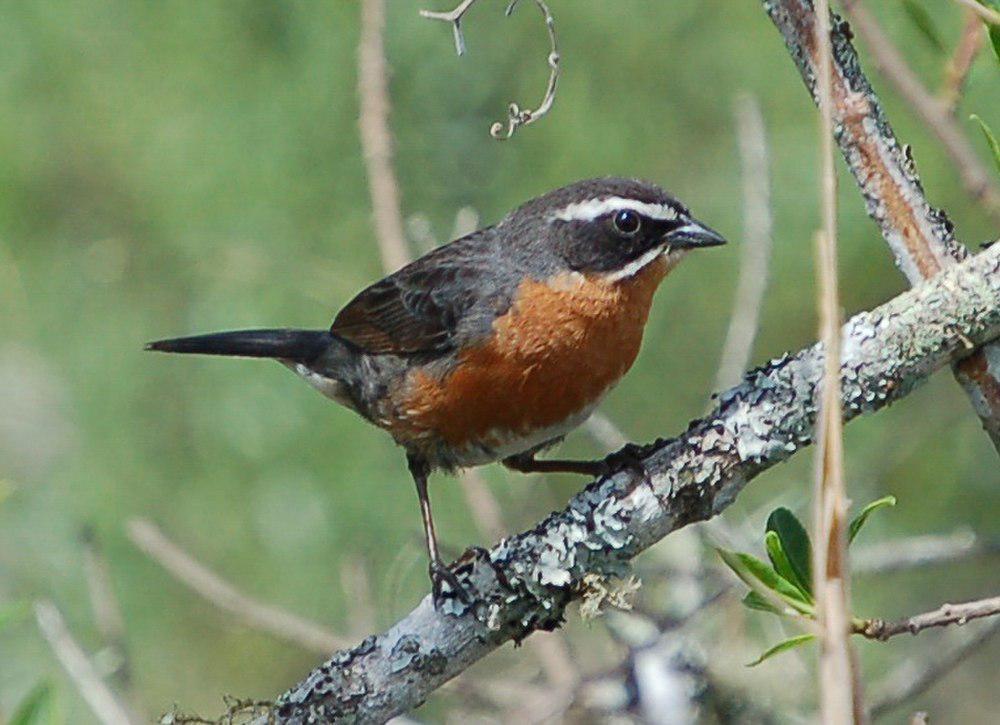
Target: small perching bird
(493, 347)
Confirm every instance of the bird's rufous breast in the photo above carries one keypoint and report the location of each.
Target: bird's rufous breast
(563, 344)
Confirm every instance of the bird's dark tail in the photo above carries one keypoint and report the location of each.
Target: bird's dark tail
(298, 345)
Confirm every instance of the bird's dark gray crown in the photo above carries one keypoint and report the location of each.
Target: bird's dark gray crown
(598, 189)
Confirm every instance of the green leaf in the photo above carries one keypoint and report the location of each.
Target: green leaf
(782, 565)
(991, 140)
(867, 511)
(756, 574)
(753, 600)
(36, 707)
(925, 24)
(788, 644)
(795, 544)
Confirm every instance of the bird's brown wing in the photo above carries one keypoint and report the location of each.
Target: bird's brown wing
(419, 308)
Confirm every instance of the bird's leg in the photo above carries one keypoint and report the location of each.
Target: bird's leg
(629, 457)
(439, 572)
(527, 463)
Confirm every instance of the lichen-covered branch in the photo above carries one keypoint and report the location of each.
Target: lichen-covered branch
(920, 236)
(526, 582)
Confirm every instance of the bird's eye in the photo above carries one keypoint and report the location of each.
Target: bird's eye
(627, 222)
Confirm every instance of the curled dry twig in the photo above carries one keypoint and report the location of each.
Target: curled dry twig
(516, 116)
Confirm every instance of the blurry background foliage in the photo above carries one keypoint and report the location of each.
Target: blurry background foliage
(176, 167)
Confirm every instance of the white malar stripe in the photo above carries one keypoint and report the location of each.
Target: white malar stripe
(634, 266)
(585, 211)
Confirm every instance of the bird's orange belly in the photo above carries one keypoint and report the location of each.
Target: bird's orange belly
(563, 344)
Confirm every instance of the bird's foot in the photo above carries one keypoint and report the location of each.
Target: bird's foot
(629, 458)
(441, 575)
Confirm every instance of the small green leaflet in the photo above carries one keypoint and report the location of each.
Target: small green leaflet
(925, 24)
(796, 547)
(790, 643)
(753, 600)
(758, 575)
(991, 140)
(867, 511)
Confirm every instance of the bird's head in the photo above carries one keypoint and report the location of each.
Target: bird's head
(612, 226)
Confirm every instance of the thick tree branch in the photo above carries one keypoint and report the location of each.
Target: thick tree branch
(920, 236)
(525, 583)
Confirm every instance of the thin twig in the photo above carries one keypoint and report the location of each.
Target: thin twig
(943, 616)
(516, 116)
(911, 679)
(605, 432)
(103, 602)
(933, 112)
(483, 505)
(988, 15)
(756, 255)
(839, 686)
(356, 585)
(109, 620)
(209, 585)
(71, 656)
(919, 551)
(957, 69)
(454, 17)
(376, 138)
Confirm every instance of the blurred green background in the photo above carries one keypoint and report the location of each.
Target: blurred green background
(176, 167)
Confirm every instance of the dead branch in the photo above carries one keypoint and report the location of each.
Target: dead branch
(526, 582)
(958, 67)
(987, 15)
(839, 686)
(74, 660)
(919, 551)
(755, 258)
(943, 616)
(376, 138)
(209, 585)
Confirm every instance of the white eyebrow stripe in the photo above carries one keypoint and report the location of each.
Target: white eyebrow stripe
(586, 211)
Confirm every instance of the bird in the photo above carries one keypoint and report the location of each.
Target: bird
(496, 345)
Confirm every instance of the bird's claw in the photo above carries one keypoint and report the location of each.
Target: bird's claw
(440, 575)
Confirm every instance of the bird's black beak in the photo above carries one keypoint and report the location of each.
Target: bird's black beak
(693, 234)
